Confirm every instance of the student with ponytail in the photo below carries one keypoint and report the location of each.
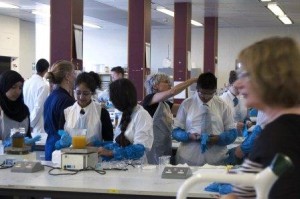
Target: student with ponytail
(134, 133)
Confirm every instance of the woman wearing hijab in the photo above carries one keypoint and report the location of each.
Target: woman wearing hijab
(13, 112)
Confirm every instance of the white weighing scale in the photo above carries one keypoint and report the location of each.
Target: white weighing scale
(77, 159)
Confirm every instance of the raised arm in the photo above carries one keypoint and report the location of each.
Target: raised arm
(164, 95)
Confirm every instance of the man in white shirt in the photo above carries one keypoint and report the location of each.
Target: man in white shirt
(116, 73)
(35, 92)
(204, 126)
(236, 103)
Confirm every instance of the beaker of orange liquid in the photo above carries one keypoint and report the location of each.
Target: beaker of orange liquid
(78, 138)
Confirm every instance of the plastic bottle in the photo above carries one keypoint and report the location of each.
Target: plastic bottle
(1, 148)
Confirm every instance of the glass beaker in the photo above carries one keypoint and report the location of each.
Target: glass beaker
(78, 138)
(18, 140)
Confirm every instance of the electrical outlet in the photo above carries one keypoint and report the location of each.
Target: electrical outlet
(176, 172)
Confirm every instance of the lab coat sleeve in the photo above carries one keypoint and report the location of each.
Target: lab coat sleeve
(181, 116)
(143, 127)
(227, 137)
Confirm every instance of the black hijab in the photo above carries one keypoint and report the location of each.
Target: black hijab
(15, 110)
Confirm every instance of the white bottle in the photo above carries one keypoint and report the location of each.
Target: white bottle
(1, 148)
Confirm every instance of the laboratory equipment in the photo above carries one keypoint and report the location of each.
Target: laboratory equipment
(77, 159)
(27, 167)
(18, 146)
(262, 181)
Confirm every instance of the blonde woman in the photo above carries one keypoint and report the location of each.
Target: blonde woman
(159, 90)
(62, 75)
(269, 81)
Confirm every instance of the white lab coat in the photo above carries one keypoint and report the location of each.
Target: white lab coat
(189, 117)
(240, 111)
(140, 128)
(90, 120)
(36, 91)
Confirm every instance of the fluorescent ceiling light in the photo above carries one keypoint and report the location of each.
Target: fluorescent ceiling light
(196, 23)
(164, 10)
(7, 5)
(41, 13)
(275, 9)
(90, 25)
(285, 19)
(171, 13)
(265, 0)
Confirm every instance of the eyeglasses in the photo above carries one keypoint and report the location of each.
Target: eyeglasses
(84, 93)
(206, 94)
(243, 74)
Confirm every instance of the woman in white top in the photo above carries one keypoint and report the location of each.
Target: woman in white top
(88, 114)
(134, 133)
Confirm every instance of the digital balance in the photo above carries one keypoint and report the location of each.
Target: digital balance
(79, 156)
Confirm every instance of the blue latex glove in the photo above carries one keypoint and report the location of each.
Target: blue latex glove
(247, 144)
(204, 139)
(65, 140)
(231, 159)
(253, 112)
(31, 141)
(7, 142)
(131, 152)
(222, 188)
(245, 130)
(180, 135)
(227, 137)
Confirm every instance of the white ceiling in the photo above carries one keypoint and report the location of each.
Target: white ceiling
(112, 14)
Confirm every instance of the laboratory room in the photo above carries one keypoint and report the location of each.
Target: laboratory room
(149, 99)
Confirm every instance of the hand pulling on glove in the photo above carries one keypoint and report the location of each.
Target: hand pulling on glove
(31, 141)
(65, 140)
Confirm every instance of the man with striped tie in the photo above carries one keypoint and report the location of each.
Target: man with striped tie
(236, 103)
(204, 125)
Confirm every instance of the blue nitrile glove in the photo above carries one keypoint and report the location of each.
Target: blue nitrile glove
(204, 137)
(227, 137)
(180, 135)
(245, 130)
(112, 146)
(222, 188)
(247, 144)
(131, 152)
(31, 141)
(98, 143)
(253, 112)
(231, 159)
(65, 140)
(7, 142)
